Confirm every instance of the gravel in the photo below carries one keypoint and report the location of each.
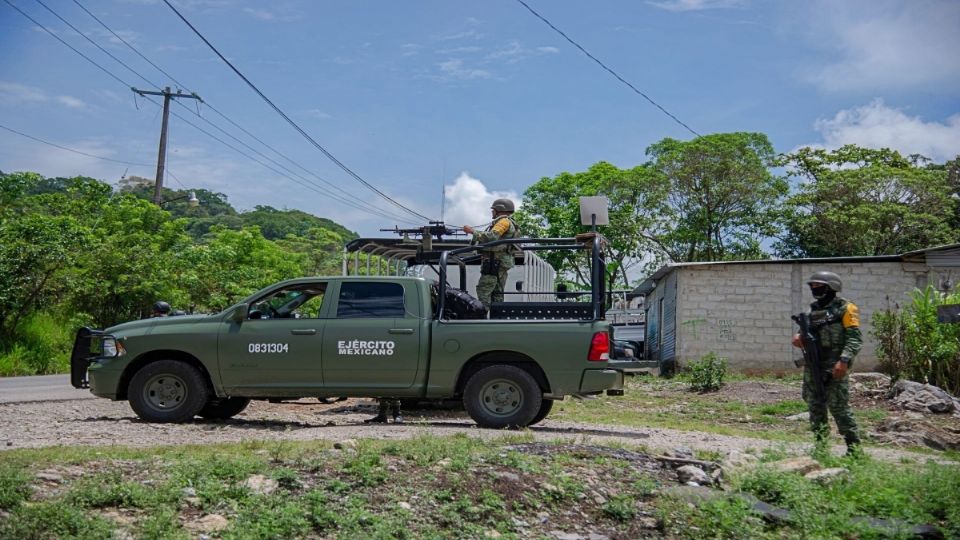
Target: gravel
(100, 422)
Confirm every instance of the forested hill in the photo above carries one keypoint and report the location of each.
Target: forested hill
(215, 210)
(77, 251)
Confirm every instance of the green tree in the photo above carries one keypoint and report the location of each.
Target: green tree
(856, 201)
(36, 254)
(551, 208)
(321, 250)
(722, 196)
(228, 265)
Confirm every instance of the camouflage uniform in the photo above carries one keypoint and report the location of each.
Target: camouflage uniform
(491, 284)
(837, 328)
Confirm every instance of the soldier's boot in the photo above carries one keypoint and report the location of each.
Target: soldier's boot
(381, 417)
(854, 449)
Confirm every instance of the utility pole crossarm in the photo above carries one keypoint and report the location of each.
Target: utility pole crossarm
(162, 154)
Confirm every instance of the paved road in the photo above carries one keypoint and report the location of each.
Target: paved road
(41, 388)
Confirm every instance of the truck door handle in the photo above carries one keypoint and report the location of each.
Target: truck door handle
(400, 330)
(303, 331)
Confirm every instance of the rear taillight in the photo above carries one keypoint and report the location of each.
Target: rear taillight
(599, 347)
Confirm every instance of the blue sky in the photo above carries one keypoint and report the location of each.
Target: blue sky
(480, 97)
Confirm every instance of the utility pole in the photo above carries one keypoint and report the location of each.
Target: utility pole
(162, 156)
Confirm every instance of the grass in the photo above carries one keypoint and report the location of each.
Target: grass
(439, 487)
(429, 487)
(905, 495)
(669, 403)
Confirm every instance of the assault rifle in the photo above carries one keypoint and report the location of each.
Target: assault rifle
(811, 354)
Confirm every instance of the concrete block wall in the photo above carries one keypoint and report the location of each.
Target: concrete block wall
(742, 311)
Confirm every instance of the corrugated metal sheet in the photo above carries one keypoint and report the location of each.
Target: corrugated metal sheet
(652, 341)
(949, 258)
(668, 332)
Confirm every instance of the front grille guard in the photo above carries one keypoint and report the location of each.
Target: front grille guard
(82, 357)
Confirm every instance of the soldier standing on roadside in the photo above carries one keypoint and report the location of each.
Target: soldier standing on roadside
(835, 322)
(496, 261)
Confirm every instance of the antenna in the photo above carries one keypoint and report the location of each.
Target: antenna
(443, 199)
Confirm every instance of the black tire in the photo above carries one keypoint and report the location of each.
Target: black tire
(221, 409)
(167, 391)
(502, 396)
(545, 409)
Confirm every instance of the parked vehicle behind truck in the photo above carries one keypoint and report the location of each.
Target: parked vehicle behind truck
(357, 336)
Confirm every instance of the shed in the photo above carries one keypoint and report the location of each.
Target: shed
(741, 310)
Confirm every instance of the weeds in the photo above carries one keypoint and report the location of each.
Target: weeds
(707, 373)
(495, 492)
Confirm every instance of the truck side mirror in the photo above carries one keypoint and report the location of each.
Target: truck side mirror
(239, 314)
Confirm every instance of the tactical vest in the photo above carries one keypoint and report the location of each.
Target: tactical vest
(827, 322)
(505, 252)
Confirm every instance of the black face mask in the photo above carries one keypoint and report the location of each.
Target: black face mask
(819, 291)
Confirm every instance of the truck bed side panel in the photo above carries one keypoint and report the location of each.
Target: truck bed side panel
(559, 347)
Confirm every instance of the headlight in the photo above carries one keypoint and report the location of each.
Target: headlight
(110, 347)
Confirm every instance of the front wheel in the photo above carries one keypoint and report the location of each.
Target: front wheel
(502, 396)
(221, 409)
(167, 391)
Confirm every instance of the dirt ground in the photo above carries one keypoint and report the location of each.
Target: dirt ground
(100, 422)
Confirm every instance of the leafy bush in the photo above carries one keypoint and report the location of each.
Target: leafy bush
(911, 344)
(41, 346)
(707, 373)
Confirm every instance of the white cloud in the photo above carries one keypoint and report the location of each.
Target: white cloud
(18, 94)
(454, 69)
(468, 34)
(460, 50)
(548, 50)
(696, 5)
(884, 44)
(468, 201)
(71, 102)
(878, 126)
(410, 49)
(318, 114)
(261, 14)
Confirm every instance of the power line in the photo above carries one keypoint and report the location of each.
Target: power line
(604, 66)
(310, 139)
(48, 143)
(72, 48)
(352, 204)
(375, 210)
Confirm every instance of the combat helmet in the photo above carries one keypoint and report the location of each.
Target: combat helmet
(502, 205)
(829, 279)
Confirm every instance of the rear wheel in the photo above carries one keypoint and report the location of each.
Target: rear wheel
(221, 409)
(502, 396)
(167, 391)
(545, 409)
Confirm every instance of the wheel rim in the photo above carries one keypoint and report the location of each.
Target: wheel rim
(165, 392)
(501, 397)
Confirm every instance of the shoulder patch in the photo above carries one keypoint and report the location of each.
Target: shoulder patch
(501, 227)
(851, 317)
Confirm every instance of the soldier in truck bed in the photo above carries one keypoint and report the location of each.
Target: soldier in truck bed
(496, 261)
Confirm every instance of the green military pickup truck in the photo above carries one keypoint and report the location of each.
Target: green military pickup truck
(360, 336)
